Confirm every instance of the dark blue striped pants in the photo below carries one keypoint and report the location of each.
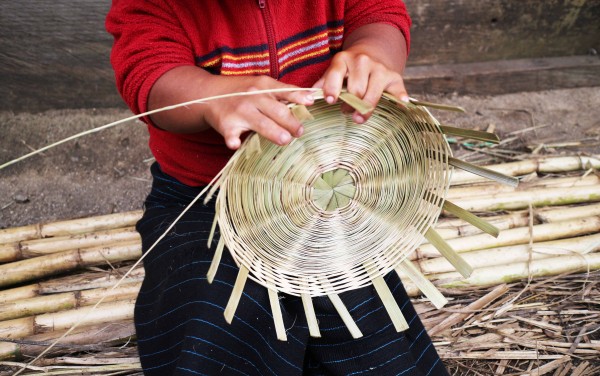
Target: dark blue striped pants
(181, 329)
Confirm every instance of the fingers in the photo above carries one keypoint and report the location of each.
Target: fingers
(333, 79)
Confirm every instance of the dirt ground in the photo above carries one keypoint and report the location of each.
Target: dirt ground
(108, 171)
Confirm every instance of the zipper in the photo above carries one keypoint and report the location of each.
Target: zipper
(274, 64)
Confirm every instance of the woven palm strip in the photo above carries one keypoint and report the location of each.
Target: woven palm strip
(339, 207)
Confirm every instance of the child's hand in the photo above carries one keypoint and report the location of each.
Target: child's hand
(371, 63)
(265, 114)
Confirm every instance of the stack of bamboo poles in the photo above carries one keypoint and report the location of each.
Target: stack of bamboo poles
(544, 322)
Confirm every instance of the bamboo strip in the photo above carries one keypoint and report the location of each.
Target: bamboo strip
(355, 102)
(345, 315)
(489, 276)
(95, 335)
(390, 304)
(438, 106)
(470, 134)
(476, 305)
(483, 172)
(39, 247)
(311, 317)
(277, 316)
(513, 254)
(541, 165)
(535, 197)
(519, 354)
(450, 228)
(43, 266)
(448, 252)
(69, 300)
(301, 113)
(406, 268)
(521, 235)
(236, 294)
(472, 219)
(214, 265)
(70, 227)
(28, 326)
(542, 370)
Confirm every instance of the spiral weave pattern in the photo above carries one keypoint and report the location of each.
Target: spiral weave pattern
(341, 205)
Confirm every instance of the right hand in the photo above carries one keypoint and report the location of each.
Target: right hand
(265, 114)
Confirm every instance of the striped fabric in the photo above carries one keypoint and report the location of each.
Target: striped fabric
(305, 48)
(181, 329)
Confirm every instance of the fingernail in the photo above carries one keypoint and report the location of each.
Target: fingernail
(330, 99)
(359, 119)
(310, 98)
(405, 98)
(300, 132)
(284, 138)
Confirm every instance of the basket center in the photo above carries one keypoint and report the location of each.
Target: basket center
(333, 189)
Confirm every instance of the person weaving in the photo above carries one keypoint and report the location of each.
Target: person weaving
(167, 52)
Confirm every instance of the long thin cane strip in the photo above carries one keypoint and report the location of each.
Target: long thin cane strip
(236, 294)
(450, 254)
(390, 304)
(345, 315)
(470, 134)
(484, 172)
(465, 215)
(277, 316)
(425, 285)
(301, 113)
(214, 265)
(311, 317)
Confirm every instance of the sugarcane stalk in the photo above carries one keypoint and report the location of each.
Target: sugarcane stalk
(67, 300)
(105, 313)
(40, 247)
(541, 165)
(513, 254)
(70, 227)
(97, 336)
(43, 266)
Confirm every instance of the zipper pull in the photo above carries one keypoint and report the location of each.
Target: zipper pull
(261, 4)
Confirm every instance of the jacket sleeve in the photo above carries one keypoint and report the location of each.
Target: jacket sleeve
(148, 41)
(363, 12)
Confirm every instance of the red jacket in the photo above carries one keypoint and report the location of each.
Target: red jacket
(292, 41)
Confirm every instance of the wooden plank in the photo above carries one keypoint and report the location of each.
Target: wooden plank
(500, 77)
(465, 31)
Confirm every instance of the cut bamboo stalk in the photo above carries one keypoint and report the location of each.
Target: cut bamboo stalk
(105, 313)
(96, 335)
(483, 172)
(236, 294)
(541, 165)
(39, 247)
(311, 317)
(470, 134)
(446, 250)
(429, 290)
(557, 214)
(517, 253)
(489, 276)
(536, 197)
(486, 189)
(214, 265)
(345, 315)
(43, 266)
(277, 316)
(90, 280)
(70, 227)
(476, 305)
(481, 224)
(521, 235)
(59, 302)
